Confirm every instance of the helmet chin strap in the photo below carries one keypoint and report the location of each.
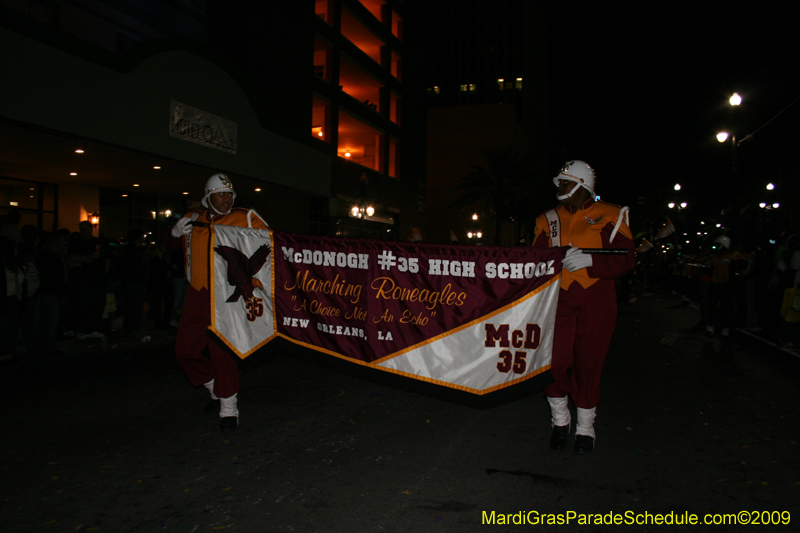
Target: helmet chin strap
(214, 209)
(573, 191)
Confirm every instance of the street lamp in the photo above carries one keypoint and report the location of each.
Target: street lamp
(735, 100)
(362, 210)
(475, 231)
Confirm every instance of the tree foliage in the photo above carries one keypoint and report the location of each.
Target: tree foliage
(502, 189)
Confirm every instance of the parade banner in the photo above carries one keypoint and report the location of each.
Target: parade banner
(241, 293)
(476, 319)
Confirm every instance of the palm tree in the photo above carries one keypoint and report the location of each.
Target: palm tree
(502, 187)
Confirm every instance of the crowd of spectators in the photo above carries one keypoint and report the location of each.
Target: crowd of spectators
(62, 285)
(745, 284)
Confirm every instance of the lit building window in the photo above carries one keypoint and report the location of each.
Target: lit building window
(397, 25)
(394, 149)
(394, 110)
(472, 87)
(322, 58)
(320, 119)
(375, 7)
(361, 36)
(359, 84)
(463, 88)
(323, 10)
(359, 142)
(500, 83)
(518, 84)
(396, 66)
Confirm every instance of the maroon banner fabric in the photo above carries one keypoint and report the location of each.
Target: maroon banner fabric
(367, 300)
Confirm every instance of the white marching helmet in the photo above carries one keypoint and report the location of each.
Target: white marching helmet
(218, 183)
(724, 241)
(579, 172)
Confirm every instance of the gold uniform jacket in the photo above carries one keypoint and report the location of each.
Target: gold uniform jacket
(197, 244)
(596, 224)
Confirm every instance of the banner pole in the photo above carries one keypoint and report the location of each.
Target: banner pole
(605, 251)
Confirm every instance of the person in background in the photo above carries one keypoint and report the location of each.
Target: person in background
(724, 266)
(52, 291)
(88, 281)
(132, 272)
(13, 278)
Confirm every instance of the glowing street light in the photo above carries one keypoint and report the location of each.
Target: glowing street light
(677, 186)
(770, 186)
(722, 136)
(735, 99)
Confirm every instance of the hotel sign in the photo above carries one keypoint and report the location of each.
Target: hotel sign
(199, 127)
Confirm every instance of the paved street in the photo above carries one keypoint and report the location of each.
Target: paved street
(115, 439)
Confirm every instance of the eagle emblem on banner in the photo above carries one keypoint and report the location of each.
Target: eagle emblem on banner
(242, 270)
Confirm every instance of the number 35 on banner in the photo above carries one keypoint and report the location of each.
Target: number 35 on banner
(529, 339)
(255, 309)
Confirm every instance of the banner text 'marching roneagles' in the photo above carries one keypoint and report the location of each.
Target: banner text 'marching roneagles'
(326, 258)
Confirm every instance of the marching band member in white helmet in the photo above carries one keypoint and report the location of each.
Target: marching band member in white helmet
(219, 373)
(587, 304)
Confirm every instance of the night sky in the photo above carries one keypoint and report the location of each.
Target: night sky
(642, 92)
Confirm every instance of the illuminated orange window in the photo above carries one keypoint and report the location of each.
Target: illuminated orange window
(320, 119)
(323, 10)
(396, 67)
(361, 36)
(375, 7)
(394, 110)
(322, 58)
(359, 142)
(359, 84)
(397, 25)
(394, 149)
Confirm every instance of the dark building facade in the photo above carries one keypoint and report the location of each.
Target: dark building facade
(487, 89)
(124, 108)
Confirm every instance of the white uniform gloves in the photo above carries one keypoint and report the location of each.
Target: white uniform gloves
(181, 228)
(576, 259)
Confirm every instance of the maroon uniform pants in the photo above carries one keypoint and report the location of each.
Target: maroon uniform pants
(585, 322)
(194, 337)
